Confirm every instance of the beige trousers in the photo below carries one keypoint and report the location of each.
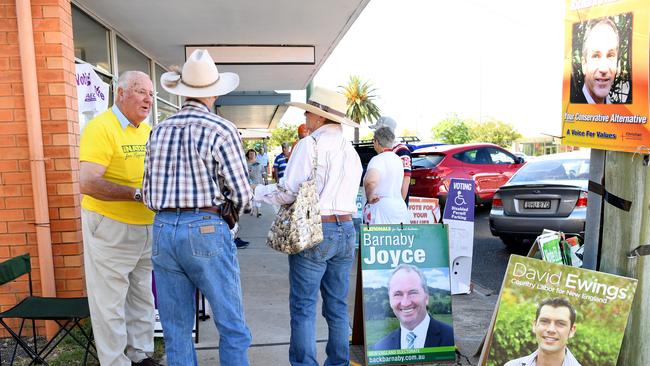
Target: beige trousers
(117, 260)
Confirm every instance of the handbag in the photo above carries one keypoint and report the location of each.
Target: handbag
(297, 226)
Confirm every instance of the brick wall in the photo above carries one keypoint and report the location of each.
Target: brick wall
(52, 23)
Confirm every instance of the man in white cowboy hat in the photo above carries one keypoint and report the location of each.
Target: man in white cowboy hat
(325, 267)
(402, 151)
(116, 226)
(195, 162)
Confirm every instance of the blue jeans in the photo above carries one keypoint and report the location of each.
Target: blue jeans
(325, 267)
(195, 250)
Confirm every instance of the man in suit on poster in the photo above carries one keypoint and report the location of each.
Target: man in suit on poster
(409, 295)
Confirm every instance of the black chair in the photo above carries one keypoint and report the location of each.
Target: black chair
(66, 312)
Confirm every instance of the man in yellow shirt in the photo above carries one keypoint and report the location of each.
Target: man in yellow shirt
(116, 225)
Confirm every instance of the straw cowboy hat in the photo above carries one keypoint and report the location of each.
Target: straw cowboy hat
(327, 103)
(199, 78)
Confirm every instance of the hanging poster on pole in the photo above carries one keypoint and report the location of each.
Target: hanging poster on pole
(424, 210)
(406, 297)
(605, 88)
(92, 93)
(459, 216)
(571, 315)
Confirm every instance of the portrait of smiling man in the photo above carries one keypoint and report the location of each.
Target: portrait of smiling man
(599, 62)
(409, 295)
(553, 326)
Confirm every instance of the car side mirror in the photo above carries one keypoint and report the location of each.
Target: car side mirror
(519, 160)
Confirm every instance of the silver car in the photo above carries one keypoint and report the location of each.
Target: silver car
(549, 192)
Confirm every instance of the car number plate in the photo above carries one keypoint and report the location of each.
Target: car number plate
(537, 204)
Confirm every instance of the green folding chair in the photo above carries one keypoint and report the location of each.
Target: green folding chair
(66, 312)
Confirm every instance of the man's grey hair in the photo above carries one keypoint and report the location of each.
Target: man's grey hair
(384, 137)
(410, 268)
(127, 77)
(593, 24)
(285, 145)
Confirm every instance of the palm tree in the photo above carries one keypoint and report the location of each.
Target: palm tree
(360, 95)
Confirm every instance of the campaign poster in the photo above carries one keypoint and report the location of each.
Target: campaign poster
(459, 216)
(605, 84)
(558, 312)
(406, 294)
(424, 210)
(92, 93)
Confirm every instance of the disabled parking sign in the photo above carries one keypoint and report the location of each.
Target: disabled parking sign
(459, 215)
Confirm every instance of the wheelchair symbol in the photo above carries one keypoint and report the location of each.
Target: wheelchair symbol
(459, 200)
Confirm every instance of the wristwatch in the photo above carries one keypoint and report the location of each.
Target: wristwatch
(138, 195)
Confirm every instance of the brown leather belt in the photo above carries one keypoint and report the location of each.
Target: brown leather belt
(213, 209)
(336, 218)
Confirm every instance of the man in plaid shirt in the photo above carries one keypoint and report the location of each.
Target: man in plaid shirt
(194, 162)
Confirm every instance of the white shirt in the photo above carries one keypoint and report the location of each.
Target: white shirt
(420, 334)
(337, 176)
(391, 208)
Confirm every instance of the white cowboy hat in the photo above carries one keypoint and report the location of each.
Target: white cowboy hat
(199, 78)
(327, 103)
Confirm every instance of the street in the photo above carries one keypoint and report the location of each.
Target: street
(490, 257)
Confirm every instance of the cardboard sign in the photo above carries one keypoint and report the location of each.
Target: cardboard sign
(605, 88)
(424, 210)
(404, 270)
(600, 301)
(459, 215)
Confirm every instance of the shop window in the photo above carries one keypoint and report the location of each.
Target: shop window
(162, 93)
(128, 58)
(164, 111)
(91, 41)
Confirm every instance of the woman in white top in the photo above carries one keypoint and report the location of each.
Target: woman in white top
(383, 183)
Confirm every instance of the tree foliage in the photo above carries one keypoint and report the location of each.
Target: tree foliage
(452, 130)
(493, 131)
(360, 97)
(283, 133)
(455, 130)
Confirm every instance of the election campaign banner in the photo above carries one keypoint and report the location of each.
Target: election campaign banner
(605, 87)
(92, 93)
(459, 215)
(406, 297)
(547, 310)
(424, 210)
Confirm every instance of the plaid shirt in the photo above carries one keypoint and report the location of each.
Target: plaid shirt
(193, 159)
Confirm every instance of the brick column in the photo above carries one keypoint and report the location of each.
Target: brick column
(52, 22)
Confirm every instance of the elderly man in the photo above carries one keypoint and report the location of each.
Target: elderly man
(599, 62)
(325, 267)
(116, 226)
(195, 163)
(401, 150)
(553, 326)
(408, 295)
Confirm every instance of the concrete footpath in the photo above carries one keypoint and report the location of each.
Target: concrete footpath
(265, 284)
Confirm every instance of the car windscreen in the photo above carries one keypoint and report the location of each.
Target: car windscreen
(559, 169)
(426, 161)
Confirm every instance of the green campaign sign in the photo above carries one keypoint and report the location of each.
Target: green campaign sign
(406, 294)
(386, 246)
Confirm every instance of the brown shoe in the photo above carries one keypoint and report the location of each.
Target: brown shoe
(146, 362)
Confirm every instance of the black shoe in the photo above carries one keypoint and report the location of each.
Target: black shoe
(146, 362)
(241, 244)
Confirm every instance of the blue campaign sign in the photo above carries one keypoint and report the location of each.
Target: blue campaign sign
(460, 200)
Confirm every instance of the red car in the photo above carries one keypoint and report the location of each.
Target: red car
(489, 165)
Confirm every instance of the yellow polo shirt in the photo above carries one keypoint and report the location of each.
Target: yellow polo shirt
(110, 140)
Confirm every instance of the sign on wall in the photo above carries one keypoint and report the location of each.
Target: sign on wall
(92, 93)
(605, 88)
